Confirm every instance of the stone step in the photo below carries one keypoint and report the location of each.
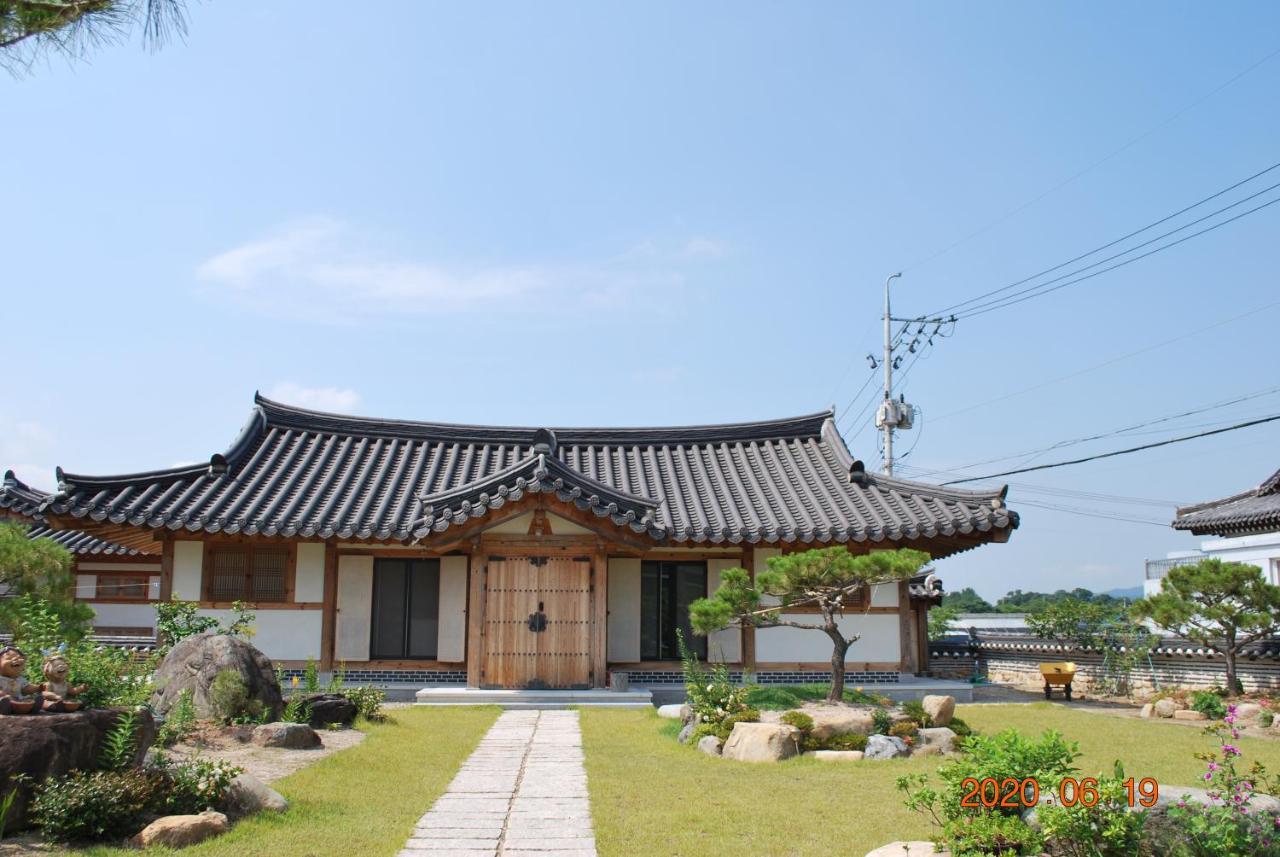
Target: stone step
(534, 700)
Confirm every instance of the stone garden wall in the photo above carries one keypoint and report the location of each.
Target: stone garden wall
(1014, 659)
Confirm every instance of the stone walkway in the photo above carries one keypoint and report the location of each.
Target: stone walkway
(522, 793)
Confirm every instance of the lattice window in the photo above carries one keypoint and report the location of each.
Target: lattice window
(135, 587)
(248, 573)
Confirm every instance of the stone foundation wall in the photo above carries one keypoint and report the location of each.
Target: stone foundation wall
(1008, 660)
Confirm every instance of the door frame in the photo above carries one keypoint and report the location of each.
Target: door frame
(525, 546)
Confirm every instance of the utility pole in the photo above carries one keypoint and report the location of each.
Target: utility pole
(887, 416)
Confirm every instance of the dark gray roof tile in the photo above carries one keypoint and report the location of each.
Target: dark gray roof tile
(1249, 512)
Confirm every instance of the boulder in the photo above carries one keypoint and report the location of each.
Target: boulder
(674, 711)
(1172, 795)
(938, 739)
(327, 708)
(939, 708)
(836, 755)
(685, 732)
(194, 663)
(762, 742)
(51, 745)
(709, 744)
(1164, 708)
(1248, 711)
(885, 747)
(833, 720)
(179, 831)
(912, 848)
(1147, 711)
(1189, 714)
(249, 795)
(290, 736)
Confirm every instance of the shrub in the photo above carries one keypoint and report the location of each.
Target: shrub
(990, 833)
(177, 620)
(337, 679)
(958, 726)
(881, 722)
(836, 742)
(114, 677)
(311, 676)
(906, 730)
(190, 787)
(800, 720)
(713, 697)
(120, 745)
(914, 709)
(1266, 718)
(1106, 829)
(1209, 703)
(93, 805)
(296, 711)
(230, 698)
(180, 721)
(368, 701)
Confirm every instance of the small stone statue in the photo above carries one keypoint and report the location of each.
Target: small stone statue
(14, 687)
(56, 689)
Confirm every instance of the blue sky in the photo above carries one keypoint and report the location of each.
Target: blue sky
(654, 213)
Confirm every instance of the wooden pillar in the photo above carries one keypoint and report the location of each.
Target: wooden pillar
(166, 569)
(475, 613)
(599, 616)
(749, 632)
(329, 610)
(906, 648)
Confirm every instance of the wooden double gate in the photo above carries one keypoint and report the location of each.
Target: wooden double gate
(537, 623)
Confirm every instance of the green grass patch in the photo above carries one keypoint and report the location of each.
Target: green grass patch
(782, 696)
(363, 800)
(707, 806)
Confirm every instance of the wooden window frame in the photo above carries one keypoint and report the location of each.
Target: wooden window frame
(290, 550)
(103, 576)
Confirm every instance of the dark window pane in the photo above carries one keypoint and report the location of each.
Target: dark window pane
(690, 585)
(666, 591)
(388, 609)
(650, 610)
(424, 608)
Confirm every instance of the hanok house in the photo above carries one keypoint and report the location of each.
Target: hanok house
(519, 557)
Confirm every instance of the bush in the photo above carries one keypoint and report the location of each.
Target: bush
(1209, 703)
(881, 722)
(296, 711)
(230, 698)
(1106, 829)
(958, 726)
(120, 745)
(712, 695)
(800, 720)
(905, 730)
(180, 721)
(93, 806)
(368, 702)
(188, 788)
(914, 709)
(177, 620)
(836, 742)
(989, 833)
(1266, 718)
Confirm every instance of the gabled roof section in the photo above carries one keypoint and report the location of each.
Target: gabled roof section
(294, 472)
(1247, 513)
(21, 500)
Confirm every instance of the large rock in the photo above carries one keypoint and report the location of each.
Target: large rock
(290, 736)
(1172, 795)
(42, 746)
(674, 711)
(939, 708)
(686, 732)
(1189, 714)
(709, 744)
(1164, 708)
(248, 795)
(912, 848)
(324, 709)
(938, 739)
(1248, 711)
(179, 831)
(885, 747)
(833, 720)
(762, 742)
(195, 662)
(836, 755)
(1147, 711)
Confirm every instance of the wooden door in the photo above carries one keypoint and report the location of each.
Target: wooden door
(537, 623)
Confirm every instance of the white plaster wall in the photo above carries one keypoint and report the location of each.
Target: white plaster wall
(723, 645)
(308, 581)
(124, 615)
(355, 607)
(519, 525)
(188, 558)
(624, 610)
(282, 635)
(453, 609)
(86, 586)
(879, 642)
(1262, 551)
(884, 595)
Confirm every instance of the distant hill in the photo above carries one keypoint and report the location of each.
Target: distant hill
(1134, 592)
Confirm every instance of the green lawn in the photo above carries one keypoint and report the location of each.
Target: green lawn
(650, 795)
(361, 801)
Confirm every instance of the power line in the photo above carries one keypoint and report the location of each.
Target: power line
(1114, 453)
(1090, 513)
(1068, 493)
(1122, 239)
(1132, 142)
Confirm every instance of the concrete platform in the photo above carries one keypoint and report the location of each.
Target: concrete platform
(525, 700)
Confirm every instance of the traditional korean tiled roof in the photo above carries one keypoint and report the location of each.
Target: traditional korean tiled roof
(294, 472)
(21, 500)
(1246, 513)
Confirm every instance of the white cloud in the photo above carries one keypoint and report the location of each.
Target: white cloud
(26, 447)
(702, 247)
(322, 269)
(338, 400)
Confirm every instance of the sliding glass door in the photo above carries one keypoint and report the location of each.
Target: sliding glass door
(406, 609)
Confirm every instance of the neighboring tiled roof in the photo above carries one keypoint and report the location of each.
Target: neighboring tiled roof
(20, 499)
(1250, 512)
(294, 472)
(925, 584)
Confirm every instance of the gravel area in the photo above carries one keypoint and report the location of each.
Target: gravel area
(265, 763)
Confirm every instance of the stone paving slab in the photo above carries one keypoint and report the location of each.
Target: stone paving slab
(522, 793)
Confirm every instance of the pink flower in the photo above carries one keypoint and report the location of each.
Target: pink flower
(1231, 749)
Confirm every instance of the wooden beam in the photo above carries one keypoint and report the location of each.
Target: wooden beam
(475, 615)
(329, 618)
(599, 615)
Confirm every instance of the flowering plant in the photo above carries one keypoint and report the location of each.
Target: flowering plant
(712, 695)
(1229, 825)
